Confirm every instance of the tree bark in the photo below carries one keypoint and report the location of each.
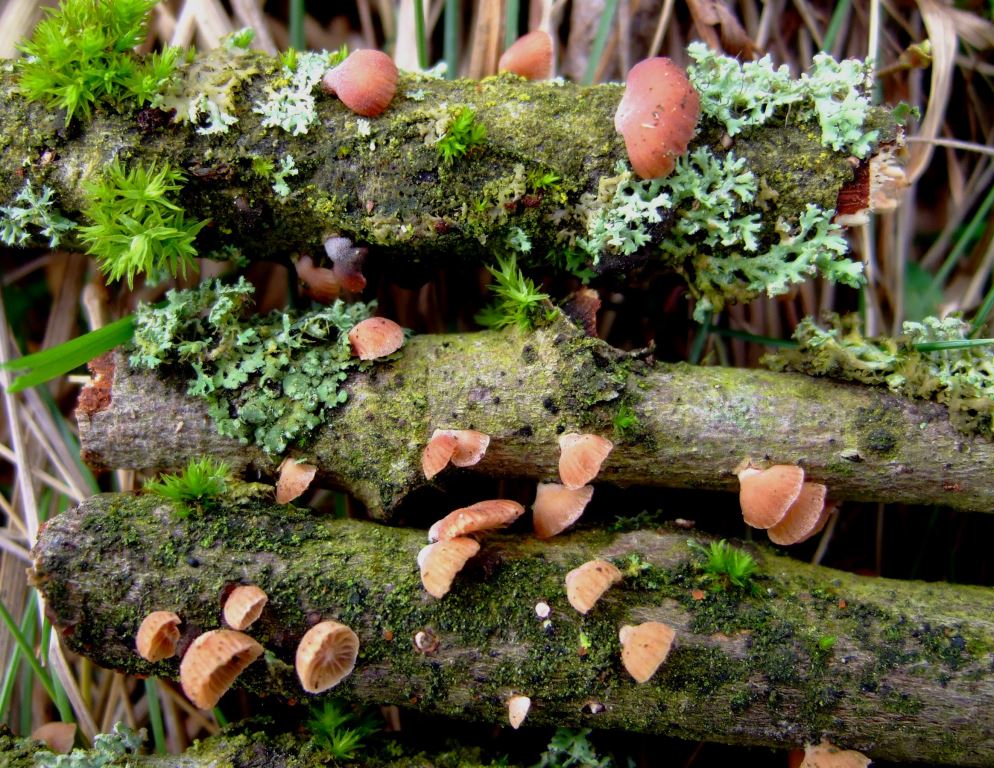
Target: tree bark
(694, 424)
(897, 670)
(387, 187)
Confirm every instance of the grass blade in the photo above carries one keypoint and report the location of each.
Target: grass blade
(419, 33)
(600, 41)
(451, 42)
(155, 715)
(512, 14)
(50, 363)
(10, 678)
(28, 652)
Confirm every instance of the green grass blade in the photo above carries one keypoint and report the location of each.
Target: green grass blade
(420, 34)
(839, 15)
(451, 42)
(983, 312)
(17, 657)
(50, 363)
(600, 41)
(28, 652)
(767, 341)
(939, 346)
(697, 348)
(511, 20)
(942, 276)
(155, 715)
(58, 692)
(296, 25)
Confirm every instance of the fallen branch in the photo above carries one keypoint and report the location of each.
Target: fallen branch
(693, 424)
(900, 671)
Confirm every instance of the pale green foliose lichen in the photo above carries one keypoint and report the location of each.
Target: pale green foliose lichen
(288, 167)
(717, 236)
(108, 749)
(269, 380)
(960, 378)
(32, 216)
(289, 102)
(745, 94)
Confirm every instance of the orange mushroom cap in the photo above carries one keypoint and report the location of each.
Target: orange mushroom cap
(441, 561)
(244, 605)
(657, 116)
(376, 337)
(326, 655)
(529, 56)
(158, 635)
(766, 495)
(586, 584)
(321, 283)
(212, 662)
(581, 457)
(557, 507)
(803, 516)
(482, 516)
(645, 647)
(365, 82)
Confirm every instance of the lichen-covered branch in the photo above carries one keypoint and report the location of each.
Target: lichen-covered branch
(274, 167)
(900, 671)
(673, 425)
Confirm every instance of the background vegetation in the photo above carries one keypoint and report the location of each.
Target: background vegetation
(933, 255)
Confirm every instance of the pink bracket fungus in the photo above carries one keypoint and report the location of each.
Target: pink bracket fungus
(657, 116)
(557, 507)
(580, 458)
(804, 518)
(826, 755)
(586, 584)
(463, 447)
(765, 495)
(376, 337)
(243, 606)
(482, 516)
(517, 710)
(58, 737)
(365, 82)
(212, 662)
(645, 647)
(158, 636)
(529, 56)
(441, 561)
(326, 655)
(347, 261)
(295, 477)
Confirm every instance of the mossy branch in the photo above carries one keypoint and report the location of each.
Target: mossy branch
(898, 670)
(683, 426)
(382, 183)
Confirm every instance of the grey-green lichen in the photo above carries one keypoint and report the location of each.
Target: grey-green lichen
(32, 216)
(960, 377)
(270, 380)
(718, 238)
(290, 102)
(108, 749)
(743, 95)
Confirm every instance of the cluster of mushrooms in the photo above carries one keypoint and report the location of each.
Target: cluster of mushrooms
(779, 500)
(557, 506)
(325, 656)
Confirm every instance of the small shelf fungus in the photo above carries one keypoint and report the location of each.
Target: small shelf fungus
(461, 447)
(326, 655)
(657, 116)
(530, 56)
(243, 606)
(645, 647)
(483, 516)
(158, 636)
(557, 507)
(586, 584)
(441, 561)
(365, 82)
(212, 662)
(580, 458)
